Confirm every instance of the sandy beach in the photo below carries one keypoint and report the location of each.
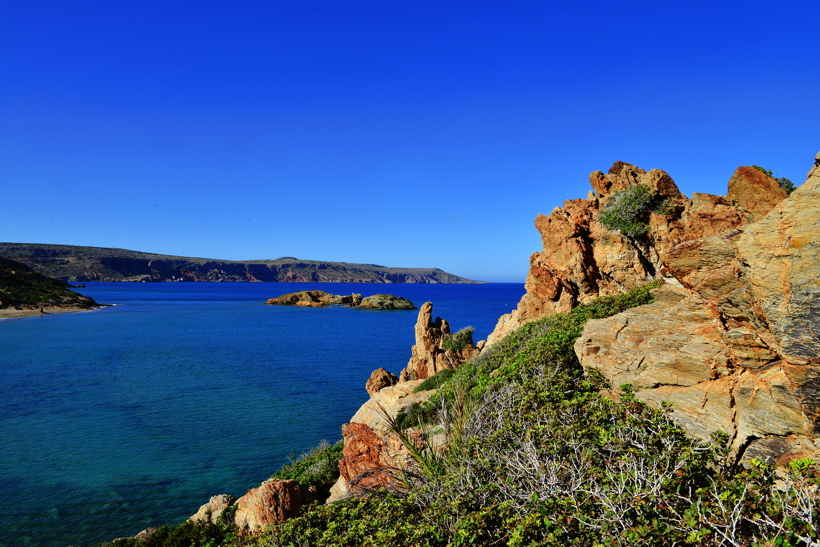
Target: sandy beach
(13, 313)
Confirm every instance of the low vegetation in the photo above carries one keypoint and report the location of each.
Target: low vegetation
(319, 467)
(189, 534)
(628, 210)
(539, 453)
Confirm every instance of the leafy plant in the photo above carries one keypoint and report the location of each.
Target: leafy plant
(188, 534)
(628, 210)
(786, 184)
(319, 467)
(458, 340)
(435, 381)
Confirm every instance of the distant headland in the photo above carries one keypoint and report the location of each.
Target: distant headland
(24, 292)
(75, 263)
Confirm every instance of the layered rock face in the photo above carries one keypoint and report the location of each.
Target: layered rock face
(733, 341)
(428, 355)
(373, 454)
(583, 260)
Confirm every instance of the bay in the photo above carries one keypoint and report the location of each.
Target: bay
(134, 415)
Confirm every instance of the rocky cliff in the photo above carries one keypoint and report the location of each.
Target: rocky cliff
(73, 263)
(732, 338)
(582, 260)
(734, 341)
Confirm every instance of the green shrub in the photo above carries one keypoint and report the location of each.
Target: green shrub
(435, 381)
(458, 340)
(187, 534)
(319, 467)
(784, 183)
(628, 210)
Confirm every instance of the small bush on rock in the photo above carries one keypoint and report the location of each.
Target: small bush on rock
(458, 340)
(628, 210)
(786, 184)
(319, 467)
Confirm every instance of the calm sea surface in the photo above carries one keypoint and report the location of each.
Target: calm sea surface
(133, 416)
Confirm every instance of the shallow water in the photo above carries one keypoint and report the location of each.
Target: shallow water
(133, 416)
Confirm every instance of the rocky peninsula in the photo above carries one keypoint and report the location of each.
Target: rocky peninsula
(24, 292)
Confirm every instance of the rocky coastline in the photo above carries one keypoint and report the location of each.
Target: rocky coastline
(730, 337)
(77, 263)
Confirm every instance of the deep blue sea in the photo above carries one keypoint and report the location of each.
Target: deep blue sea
(132, 416)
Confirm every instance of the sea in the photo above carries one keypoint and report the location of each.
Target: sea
(134, 415)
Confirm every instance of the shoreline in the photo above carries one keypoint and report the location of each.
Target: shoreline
(16, 314)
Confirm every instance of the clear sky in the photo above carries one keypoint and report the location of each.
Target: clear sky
(412, 134)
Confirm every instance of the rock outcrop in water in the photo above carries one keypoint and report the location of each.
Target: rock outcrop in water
(428, 354)
(386, 302)
(316, 299)
(321, 299)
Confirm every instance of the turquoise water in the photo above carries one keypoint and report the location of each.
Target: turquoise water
(133, 416)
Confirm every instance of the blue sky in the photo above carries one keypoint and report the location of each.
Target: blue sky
(415, 134)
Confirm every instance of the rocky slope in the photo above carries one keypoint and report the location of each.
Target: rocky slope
(735, 347)
(732, 338)
(582, 260)
(73, 263)
(22, 289)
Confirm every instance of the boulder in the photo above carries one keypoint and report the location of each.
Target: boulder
(380, 379)
(214, 507)
(272, 501)
(386, 302)
(755, 191)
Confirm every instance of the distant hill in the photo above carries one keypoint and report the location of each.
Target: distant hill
(21, 288)
(74, 263)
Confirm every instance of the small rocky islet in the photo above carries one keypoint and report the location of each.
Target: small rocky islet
(321, 299)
